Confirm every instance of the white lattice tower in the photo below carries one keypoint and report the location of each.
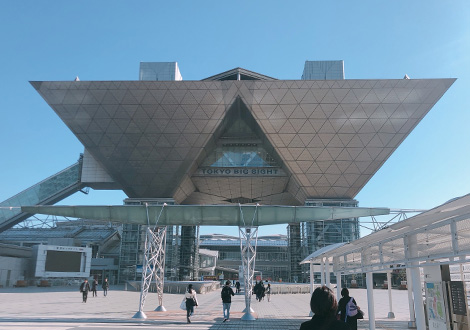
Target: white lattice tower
(158, 251)
(147, 273)
(154, 263)
(249, 235)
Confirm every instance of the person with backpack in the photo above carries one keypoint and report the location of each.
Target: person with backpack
(226, 295)
(323, 305)
(347, 309)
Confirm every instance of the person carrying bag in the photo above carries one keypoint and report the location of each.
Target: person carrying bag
(191, 301)
(348, 310)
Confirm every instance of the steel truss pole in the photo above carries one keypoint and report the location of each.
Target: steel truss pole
(249, 235)
(147, 275)
(158, 254)
(154, 264)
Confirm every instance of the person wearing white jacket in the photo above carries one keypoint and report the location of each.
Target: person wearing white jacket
(191, 301)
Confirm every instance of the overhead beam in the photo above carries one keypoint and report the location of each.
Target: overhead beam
(207, 215)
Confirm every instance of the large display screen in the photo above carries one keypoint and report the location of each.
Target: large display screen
(63, 261)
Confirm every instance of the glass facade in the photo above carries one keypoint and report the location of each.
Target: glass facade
(133, 248)
(240, 155)
(159, 71)
(240, 146)
(272, 259)
(323, 70)
(46, 192)
(322, 233)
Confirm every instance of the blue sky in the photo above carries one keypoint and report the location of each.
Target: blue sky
(106, 40)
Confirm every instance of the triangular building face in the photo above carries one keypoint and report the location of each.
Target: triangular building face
(325, 138)
(241, 166)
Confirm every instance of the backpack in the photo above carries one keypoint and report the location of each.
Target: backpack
(225, 293)
(351, 308)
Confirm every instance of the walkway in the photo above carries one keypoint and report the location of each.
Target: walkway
(60, 308)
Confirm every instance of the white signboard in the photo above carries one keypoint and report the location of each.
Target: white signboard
(435, 306)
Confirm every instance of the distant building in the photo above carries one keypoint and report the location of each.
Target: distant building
(272, 260)
(102, 240)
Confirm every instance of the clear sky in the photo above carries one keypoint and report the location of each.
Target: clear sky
(106, 40)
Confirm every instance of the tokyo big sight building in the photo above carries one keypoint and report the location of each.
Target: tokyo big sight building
(239, 137)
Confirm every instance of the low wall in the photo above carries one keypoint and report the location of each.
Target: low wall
(289, 288)
(177, 287)
(13, 270)
(205, 286)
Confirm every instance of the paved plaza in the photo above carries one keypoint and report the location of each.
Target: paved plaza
(61, 308)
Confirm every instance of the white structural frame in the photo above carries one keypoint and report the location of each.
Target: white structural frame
(438, 236)
(153, 265)
(248, 242)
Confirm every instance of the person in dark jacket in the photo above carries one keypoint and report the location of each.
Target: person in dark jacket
(93, 287)
(323, 304)
(351, 321)
(105, 287)
(84, 288)
(237, 285)
(259, 290)
(226, 295)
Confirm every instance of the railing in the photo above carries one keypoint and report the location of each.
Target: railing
(46, 192)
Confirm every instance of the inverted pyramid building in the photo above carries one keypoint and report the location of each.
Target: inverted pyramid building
(254, 139)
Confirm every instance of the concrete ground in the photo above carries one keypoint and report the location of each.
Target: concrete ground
(61, 308)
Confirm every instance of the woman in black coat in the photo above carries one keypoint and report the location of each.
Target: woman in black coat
(351, 321)
(323, 305)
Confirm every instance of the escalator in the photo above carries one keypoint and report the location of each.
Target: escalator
(47, 192)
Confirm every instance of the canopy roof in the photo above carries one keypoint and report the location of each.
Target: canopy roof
(207, 215)
(438, 235)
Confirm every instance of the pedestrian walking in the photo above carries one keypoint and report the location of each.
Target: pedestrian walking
(323, 305)
(268, 292)
(191, 301)
(348, 309)
(105, 287)
(237, 285)
(93, 287)
(259, 290)
(226, 295)
(84, 288)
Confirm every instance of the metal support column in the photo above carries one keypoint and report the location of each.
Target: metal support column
(159, 248)
(411, 251)
(248, 234)
(153, 265)
(327, 272)
(370, 300)
(338, 286)
(391, 315)
(322, 270)
(409, 287)
(418, 298)
(312, 280)
(248, 242)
